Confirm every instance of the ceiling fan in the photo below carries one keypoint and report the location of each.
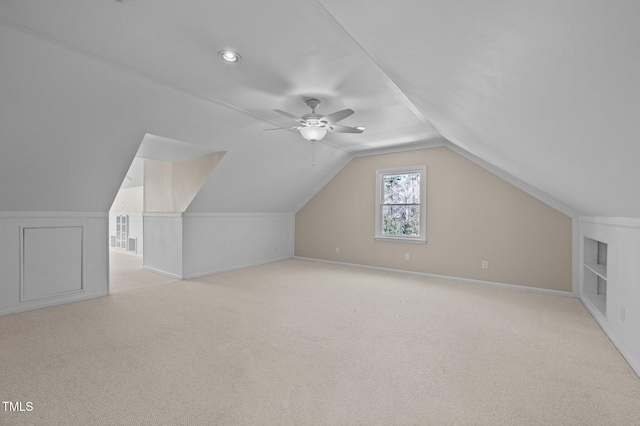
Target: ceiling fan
(314, 127)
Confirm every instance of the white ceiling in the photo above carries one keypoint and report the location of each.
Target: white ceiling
(546, 91)
(154, 147)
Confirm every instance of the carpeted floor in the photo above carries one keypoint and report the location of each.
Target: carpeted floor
(306, 343)
(126, 272)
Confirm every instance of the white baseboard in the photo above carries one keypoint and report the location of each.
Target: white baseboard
(160, 271)
(233, 268)
(214, 271)
(445, 277)
(50, 303)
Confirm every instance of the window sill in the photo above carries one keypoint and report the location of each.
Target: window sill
(401, 240)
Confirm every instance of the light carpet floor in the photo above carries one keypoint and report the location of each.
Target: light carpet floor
(307, 343)
(126, 272)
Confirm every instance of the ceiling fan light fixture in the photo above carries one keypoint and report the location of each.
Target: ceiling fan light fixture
(313, 133)
(229, 56)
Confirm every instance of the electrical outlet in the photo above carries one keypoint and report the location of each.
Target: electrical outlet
(406, 256)
(337, 249)
(485, 264)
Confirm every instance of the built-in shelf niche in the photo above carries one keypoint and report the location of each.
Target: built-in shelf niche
(594, 286)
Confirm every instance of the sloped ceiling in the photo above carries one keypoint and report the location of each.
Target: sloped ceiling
(546, 91)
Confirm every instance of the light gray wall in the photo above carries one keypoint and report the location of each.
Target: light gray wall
(73, 265)
(216, 242)
(190, 245)
(163, 240)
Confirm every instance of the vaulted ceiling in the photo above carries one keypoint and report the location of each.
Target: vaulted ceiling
(544, 91)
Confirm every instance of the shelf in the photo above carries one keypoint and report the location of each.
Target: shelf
(598, 269)
(594, 277)
(599, 301)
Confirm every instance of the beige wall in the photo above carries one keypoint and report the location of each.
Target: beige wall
(170, 187)
(158, 186)
(472, 215)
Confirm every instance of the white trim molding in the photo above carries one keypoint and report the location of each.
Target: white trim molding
(230, 268)
(51, 215)
(421, 170)
(625, 222)
(226, 214)
(160, 214)
(412, 146)
(75, 297)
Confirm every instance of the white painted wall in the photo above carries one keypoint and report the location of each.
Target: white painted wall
(623, 282)
(163, 243)
(216, 242)
(190, 245)
(50, 261)
(72, 267)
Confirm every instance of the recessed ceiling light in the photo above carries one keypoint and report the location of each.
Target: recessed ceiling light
(229, 56)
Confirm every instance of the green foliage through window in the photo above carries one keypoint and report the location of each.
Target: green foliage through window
(401, 204)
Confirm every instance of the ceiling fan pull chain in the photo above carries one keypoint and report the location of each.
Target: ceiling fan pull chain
(313, 153)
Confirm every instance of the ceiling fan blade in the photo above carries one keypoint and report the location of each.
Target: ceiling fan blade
(345, 129)
(337, 116)
(284, 128)
(286, 114)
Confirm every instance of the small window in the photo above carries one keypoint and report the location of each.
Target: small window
(401, 195)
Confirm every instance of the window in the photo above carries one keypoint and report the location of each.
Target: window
(401, 195)
(122, 231)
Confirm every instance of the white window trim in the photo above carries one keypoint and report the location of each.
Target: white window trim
(422, 170)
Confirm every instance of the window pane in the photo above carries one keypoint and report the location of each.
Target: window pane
(401, 220)
(401, 189)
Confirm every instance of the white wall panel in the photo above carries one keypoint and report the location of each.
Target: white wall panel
(225, 241)
(136, 231)
(195, 244)
(50, 258)
(622, 320)
(163, 243)
(4, 272)
(51, 262)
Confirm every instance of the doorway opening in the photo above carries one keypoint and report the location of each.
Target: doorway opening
(164, 176)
